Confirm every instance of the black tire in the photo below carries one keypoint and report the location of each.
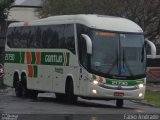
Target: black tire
(119, 103)
(69, 89)
(18, 88)
(32, 94)
(60, 97)
(24, 87)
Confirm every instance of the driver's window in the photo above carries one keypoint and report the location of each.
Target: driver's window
(82, 45)
(82, 52)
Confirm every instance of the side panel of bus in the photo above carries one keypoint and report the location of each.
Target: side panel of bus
(45, 67)
(153, 69)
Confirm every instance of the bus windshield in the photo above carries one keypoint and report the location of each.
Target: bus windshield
(120, 55)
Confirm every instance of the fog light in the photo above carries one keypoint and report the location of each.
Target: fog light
(94, 91)
(140, 94)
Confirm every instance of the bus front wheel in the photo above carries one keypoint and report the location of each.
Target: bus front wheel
(119, 103)
(33, 94)
(71, 98)
(24, 86)
(60, 97)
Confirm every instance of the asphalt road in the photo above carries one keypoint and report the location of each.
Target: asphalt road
(46, 107)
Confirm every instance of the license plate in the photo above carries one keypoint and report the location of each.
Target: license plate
(119, 94)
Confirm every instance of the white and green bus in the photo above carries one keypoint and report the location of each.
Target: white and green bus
(87, 56)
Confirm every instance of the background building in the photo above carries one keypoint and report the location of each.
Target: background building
(24, 10)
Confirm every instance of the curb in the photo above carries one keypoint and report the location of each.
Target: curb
(144, 102)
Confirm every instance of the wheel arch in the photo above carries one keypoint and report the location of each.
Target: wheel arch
(70, 78)
(24, 75)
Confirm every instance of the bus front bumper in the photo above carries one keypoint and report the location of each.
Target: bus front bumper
(96, 91)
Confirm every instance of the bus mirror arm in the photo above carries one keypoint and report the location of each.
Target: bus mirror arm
(153, 48)
(88, 43)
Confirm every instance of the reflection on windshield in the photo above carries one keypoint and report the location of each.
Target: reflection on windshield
(117, 54)
(105, 51)
(131, 51)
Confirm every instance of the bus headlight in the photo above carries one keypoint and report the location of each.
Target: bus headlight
(141, 85)
(95, 82)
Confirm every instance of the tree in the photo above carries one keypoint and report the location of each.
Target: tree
(146, 13)
(59, 7)
(4, 4)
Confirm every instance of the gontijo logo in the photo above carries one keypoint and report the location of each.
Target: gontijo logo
(56, 58)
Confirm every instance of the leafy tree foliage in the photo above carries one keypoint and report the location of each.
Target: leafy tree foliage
(4, 4)
(146, 13)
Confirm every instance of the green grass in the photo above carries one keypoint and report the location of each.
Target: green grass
(153, 97)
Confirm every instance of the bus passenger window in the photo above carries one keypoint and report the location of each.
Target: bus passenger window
(55, 39)
(10, 36)
(69, 38)
(60, 36)
(38, 37)
(49, 38)
(44, 36)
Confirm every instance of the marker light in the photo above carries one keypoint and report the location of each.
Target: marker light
(95, 82)
(141, 85)
(94, 91)
(140, 94)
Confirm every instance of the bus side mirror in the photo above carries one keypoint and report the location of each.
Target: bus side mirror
(88, 43)
(153, 48)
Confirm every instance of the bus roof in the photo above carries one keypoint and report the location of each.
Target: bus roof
(93, 21)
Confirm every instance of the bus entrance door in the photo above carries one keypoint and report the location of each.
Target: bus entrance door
(83, 79)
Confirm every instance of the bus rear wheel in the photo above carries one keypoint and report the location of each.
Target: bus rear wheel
(33, 94)
(24, 87)
(26, 92)
(119, 103)
(18, 89)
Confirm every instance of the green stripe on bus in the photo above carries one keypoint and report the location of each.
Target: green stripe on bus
(68, 56)
(33, 54)
(47, 58)
(22, 57)
(124, 82)
(14, 57)
(35, 67)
